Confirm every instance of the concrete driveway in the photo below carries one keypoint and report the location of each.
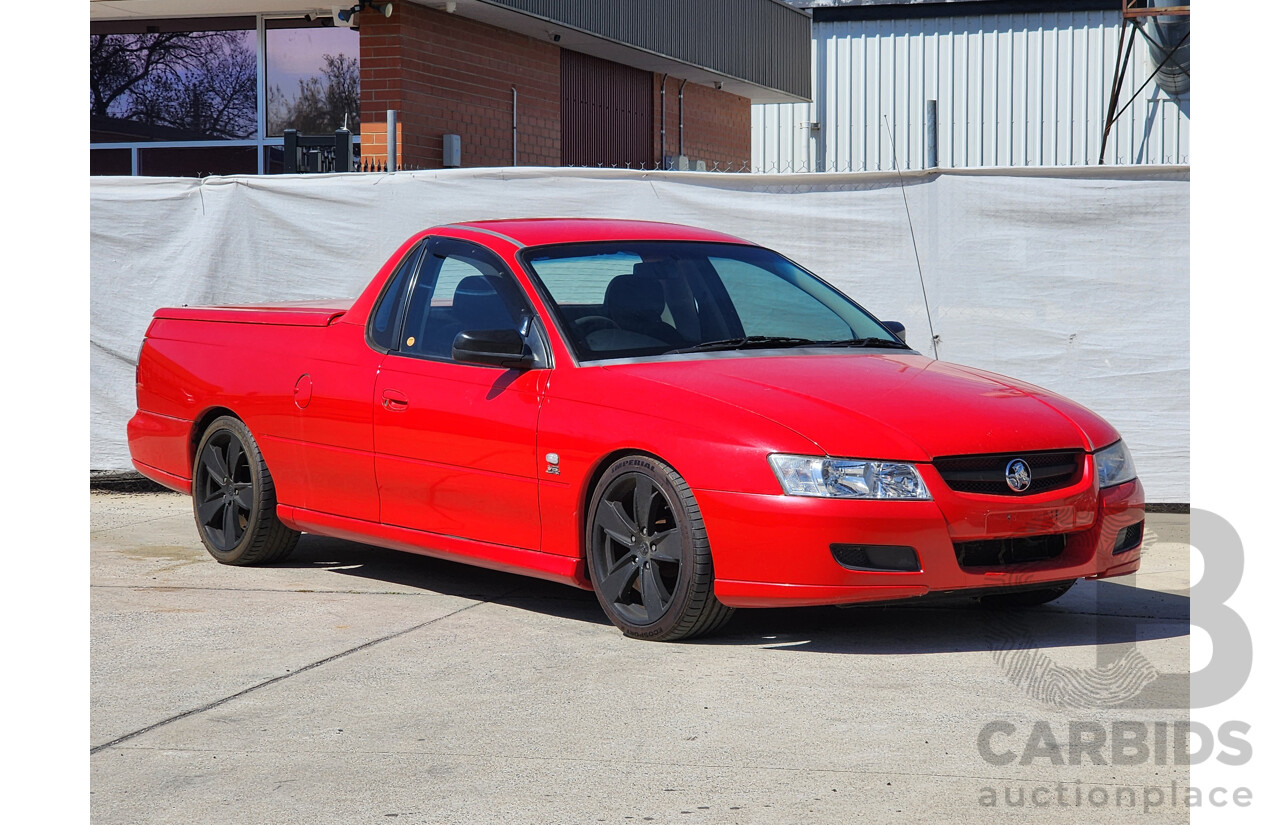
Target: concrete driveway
(356, 685)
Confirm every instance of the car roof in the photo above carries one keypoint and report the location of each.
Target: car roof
(539, 231)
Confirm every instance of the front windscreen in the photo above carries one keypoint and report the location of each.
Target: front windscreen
(641, 298)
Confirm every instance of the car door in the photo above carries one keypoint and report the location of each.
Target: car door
(454, 443)
(334, 410)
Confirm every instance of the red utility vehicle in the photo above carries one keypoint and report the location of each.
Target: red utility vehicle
(682, 421)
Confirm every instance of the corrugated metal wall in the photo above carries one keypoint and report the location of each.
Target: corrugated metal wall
(1011, 90)
(606, 113)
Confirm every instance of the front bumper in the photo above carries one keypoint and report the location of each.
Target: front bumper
(775, 550)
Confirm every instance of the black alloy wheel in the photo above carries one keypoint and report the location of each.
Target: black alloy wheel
(224, 490)
(649, 558)
(233, 496)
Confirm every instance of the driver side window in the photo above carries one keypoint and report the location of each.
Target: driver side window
(460, 287)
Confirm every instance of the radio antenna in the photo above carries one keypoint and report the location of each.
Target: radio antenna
(933, 339)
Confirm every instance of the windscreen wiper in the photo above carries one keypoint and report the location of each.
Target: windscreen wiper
(866, 342)
(747, 342)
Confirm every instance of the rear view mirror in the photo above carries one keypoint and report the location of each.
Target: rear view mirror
(897, 328)
(495, 347)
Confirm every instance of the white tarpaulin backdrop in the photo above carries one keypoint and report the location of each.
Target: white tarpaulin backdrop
(1074, 279)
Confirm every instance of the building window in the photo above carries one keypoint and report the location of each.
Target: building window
(173, 85)
(185, 97)
(313, 79)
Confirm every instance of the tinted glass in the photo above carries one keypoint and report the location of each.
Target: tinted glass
(197, 162)
(110, 162)
(387, 315)
(631, 299)
(771, 305)
(174, 85)
(313, 78)
(460, 288)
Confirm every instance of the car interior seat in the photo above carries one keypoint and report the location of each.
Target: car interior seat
(635, 303)
(476, 305)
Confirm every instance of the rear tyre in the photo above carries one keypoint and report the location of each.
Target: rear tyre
(234, 498)
(1027, 598)
(648, 554)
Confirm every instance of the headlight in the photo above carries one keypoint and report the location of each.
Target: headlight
(802, 475)
(1115, 465)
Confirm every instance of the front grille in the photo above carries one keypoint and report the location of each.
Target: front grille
(1129, 538)
(986, 473)
(1003, 552)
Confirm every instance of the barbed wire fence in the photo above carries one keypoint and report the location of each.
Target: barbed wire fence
(378, 164)
(784, 168)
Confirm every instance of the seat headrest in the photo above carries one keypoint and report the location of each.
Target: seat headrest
(650, 269)
(635, 295)
(476, 305)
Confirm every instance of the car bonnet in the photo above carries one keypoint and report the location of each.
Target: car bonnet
(889, 405)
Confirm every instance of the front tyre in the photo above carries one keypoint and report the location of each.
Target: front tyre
(234, 498)
(648, 554)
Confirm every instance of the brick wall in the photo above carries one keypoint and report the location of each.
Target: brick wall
(717, 125)
(445, 74)
(373, 141)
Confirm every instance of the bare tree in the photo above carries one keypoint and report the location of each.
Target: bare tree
(322, 103)
(204, 83)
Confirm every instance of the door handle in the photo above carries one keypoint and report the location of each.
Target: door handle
(394, 400)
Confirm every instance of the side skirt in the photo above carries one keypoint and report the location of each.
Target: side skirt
(561, 569)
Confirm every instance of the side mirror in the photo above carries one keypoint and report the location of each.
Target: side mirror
(897, 328)
(495, 347)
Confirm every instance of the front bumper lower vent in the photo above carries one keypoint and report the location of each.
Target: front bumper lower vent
(876, 557)
(1005, 552)
(1129, 538)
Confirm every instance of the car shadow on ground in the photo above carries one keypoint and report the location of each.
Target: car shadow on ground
(1093, 613)
(418, 572)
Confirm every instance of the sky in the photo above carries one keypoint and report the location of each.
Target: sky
(295, 54)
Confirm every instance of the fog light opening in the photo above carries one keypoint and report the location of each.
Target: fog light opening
(876, 558)
(1129, 538)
